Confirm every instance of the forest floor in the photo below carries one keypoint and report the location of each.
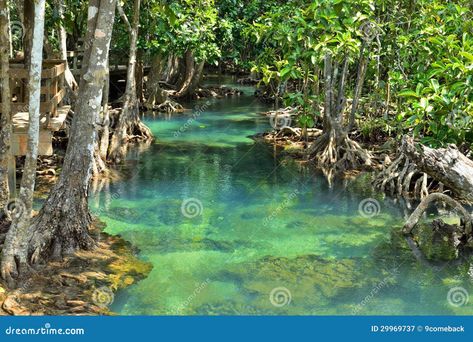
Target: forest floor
(82, 284)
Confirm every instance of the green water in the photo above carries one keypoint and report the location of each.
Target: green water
(268, 236)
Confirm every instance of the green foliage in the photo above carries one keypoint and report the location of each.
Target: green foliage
(436, 74)
(180, 26)
(293, 39)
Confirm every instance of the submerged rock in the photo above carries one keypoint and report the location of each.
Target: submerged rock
(437, 241)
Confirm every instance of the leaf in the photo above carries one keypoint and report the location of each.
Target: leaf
(467, 55)
(435, 84)
(408, 93)
(313, 59)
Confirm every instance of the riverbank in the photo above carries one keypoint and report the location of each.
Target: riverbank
(82, 284)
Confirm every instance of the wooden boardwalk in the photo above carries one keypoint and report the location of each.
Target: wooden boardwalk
(48, 125)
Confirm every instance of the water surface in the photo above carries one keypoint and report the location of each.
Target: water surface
(261, 234)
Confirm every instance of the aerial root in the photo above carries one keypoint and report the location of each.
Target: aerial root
(402, 177)
(342, 155)
(169, 106)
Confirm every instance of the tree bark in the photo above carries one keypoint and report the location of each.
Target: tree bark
(62, 225)
(156, 94)
(69, 77)
(5, 119)
(360, 79)
(14, 249)
(28, 22)
(129, 125)
(447, 165)
(190, 70)
(172, 69)
(105, 136)
(334, 149)
(196, 78)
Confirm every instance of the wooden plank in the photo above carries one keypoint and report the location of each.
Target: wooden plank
(58, 97)
(20, 143)
(51, 68)
(20, 121)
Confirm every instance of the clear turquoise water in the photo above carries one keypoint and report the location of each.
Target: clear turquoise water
(266, 227)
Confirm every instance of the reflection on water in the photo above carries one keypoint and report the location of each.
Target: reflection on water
(230, 229)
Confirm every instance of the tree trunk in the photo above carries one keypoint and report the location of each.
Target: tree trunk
(360, 79)
(62, 225)
(156, 94)
(28, 22)
(69, 77)
(334, 149)
(190, 70)
(196, 78)
(447, 165)
(14, 249)
(172, 69)
(139, 76)
(5, 119)
(105, 136)
(129, 125)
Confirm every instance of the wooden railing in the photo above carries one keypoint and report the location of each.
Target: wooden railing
(52, 87)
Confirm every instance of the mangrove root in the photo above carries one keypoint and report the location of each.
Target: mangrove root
(434, 197)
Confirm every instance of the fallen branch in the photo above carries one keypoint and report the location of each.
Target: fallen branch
(423, 206)
(446, 165)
